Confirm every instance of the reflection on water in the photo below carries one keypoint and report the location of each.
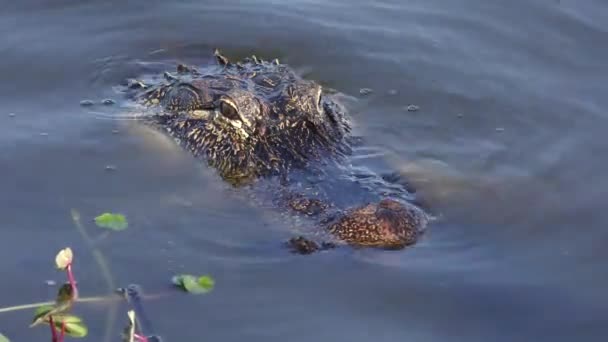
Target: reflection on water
(506, 148)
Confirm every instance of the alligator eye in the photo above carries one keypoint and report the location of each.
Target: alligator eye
(229, 110)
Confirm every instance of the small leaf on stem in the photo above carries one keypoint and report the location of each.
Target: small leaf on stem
(64, 258)
(4, 338)
(42, 314)
(41, 310)
(73, 325)
(46, 313)
(112, 221)
(63, 303)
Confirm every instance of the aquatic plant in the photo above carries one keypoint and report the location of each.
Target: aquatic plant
(58, 314)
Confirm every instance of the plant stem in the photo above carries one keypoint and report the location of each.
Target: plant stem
(103, 267)
(53, 332)
(72, 282)
(62, 332)
(99, 258)
(140, 338)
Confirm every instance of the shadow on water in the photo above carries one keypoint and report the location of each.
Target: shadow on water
(506, 145)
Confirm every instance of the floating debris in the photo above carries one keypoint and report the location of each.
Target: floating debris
(412, 108)
(115, 131)
(43, 134)
(108, 102)
(460, 115)
(12, 115)
(110, 168)
(50, 282)
(392, 92)
(86, 103)
(365, 91)
(154, 52)
(500, 129)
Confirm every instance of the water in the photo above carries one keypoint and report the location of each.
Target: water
(508, 147)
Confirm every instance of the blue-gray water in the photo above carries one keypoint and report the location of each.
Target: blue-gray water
(508, 147)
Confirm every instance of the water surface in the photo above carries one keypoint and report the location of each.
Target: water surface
(508, 148)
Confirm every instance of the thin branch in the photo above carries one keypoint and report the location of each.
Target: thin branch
(110, 298)
(105, 271)
(99, 258)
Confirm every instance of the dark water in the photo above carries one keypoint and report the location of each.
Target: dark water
(508, 146)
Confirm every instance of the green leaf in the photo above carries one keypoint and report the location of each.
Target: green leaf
(74, 326)
(42, 310)
(66, 318)
(42, 314)
(193, 284)
(206, 282)
(64, 258)
(4, 338)
(112, 221)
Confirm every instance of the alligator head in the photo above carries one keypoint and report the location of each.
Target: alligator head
(248, 119)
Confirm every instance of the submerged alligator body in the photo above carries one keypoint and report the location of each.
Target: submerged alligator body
(256, 120)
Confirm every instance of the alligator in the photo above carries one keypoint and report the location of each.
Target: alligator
(256, 120)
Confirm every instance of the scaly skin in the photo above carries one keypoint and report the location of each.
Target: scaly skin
(256, 119)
